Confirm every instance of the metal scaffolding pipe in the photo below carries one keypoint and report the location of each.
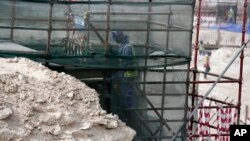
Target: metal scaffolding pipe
(156, 108)
(221, 81)
(242, 59)
(98, 29)
(195, 56)
(131, 13)
(64, 20)
(13, 19)
(49, 26)
(128, 3)
(215, 107)
(212, 99)
(216, 75)
(209, 135)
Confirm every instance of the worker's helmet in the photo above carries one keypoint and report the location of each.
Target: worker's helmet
(119, 37)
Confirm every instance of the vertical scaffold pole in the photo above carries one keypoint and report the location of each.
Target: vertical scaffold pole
(13, 19)
(106, 43)
(195, 56)
(51, 4)
(241, 60)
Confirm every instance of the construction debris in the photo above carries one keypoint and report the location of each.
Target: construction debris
(39, 104)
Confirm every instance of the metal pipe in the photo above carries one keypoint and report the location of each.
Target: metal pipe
(166, 94)
(213, 74)
(215, 107)
(242, 59)
(146, 50)
(164, 72)
(88, 33)
(212, 99)
(155, 108)
(98, 29)
(221, 81)
(106, 43)
(13, 19)
(23, 28)
(128, 3)
(157, 121)
(195, 58)
(212, 86)
(63, 20)
(209, 135)
(131, 13)
(211, 126)
(49, 26)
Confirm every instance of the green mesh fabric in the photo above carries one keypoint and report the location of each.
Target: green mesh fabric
(159, 31)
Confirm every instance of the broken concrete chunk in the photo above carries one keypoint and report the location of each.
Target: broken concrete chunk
(5, 113)
(112, 124)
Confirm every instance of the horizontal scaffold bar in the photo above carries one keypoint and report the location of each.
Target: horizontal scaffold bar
(169, 2)
(100, 29)
(131, 13)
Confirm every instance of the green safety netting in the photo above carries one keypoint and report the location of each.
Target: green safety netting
(159, 31)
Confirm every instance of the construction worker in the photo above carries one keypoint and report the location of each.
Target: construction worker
(201, 48)
(230, 18)
(125, 77)
(207, 63)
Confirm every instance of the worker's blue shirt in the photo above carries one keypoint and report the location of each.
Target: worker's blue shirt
(126, 51)
(123, 50)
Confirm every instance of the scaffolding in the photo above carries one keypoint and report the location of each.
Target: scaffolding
(223, 107)
(75, 37)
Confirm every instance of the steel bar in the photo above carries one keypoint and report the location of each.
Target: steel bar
(212, 99)
(13, 19)
(124, 29)
(179, 27)
(157, 108)
(209, 135)
(211, 126)
(49, 26)
(88, 33)
(106, 42)
(98, 29)
(144, 137)
(129, 3)
(131, 13)
(64, 20)
(195, 58)
(156, 121)
(146, 48)
(165, 73)
(242, 58)
(214, 107)
(213, 74)
(166, 94)
(42, 53)
(23, 28)
(160, 82)
(207, 82)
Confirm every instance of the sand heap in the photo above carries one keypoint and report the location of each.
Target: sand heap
(43, 105)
